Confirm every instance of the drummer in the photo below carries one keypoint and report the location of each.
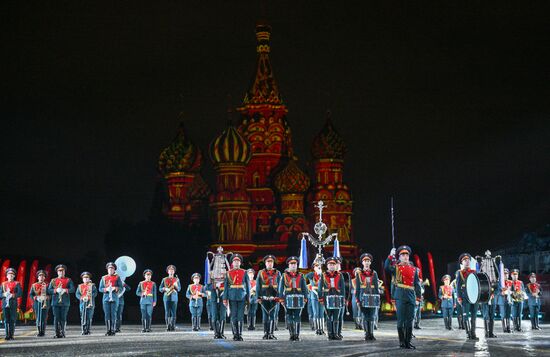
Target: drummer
(468, 310)
(332, 292)
(366, 281)
(293, 294)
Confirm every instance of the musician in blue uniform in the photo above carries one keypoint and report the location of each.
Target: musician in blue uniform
(469, 311)
(332, 293)
(534, 292)
(40, 302)
(518, 296)
(293, 285)
(406, 291)
(60, 288)
(86, 293)
(10, 291)
(195, 293)
(110, 285)
(318, 309)
(447, 296)
(170, 287)
(355, 308)
(367, 295)
(504, 301)
(252, 301)
(147, 291)
(237, 289)
(120, 307)
(267, 283)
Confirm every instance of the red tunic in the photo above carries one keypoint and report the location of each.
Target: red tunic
(236, 276)
(9, 285)
(289, 282)
(147, 288)
(110, 280)
(84, 289)
(37, 287)
(405, 274)
(63, 281)
(533, 288)
(332, 280)
(447, 291)
(270, 277)
(196, 288)
(516, 285)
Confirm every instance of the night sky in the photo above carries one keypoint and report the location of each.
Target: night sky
(444, 107)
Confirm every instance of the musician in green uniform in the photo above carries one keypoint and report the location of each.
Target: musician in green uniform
(237, 289)
(40, 302)
(60, 288)
(367, 296)
(267, 283)
(86, 293)
(10, 291)
(332, 293)
(293, 295)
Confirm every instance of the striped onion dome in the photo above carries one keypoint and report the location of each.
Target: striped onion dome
(328, 144)
(180, 156)
(291, 179)
(230, 148)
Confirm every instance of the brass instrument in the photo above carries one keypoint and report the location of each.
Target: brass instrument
(172, 287)
(43, 296)
(518, 295)
(89, 296)
(8, 296)
(110, 289)
(145, 292)
(60, 294)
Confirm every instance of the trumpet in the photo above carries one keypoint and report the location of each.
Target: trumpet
(89, 296)
(43, 296)
(60, 294)
(110, 289)
(172, 287)
(8, 296)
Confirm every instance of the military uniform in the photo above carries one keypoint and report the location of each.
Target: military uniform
(218, 307)
(534, 292)
(86, 294)
(469, 311)
(209, 307)
(110, 285)
(419, 303)
(10, 291)
(60, 288)
(355, 309)
(195, 293)
(447, 296)
(170, 287)
(406, 291)
(40, 303)
(459, 310)
(504, 302)
(518, 293)
(237, 289)
(293, 283)
(318, 309)
(120, 307)
(252, 302)
(147, 291)
(267, 283)
(332, 284)
(366, 281)
(488, 310)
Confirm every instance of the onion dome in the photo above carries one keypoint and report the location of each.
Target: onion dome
(328, 144)
(230, 148)
(180, 156)
(199, 189)
(291, 179)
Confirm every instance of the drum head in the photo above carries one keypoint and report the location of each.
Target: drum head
(472, 288)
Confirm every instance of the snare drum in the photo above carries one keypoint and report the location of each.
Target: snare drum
(370, 300)
(294, 301)
(478, 288)
(334, 302)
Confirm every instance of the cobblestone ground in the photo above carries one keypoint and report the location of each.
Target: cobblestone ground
(432, 340)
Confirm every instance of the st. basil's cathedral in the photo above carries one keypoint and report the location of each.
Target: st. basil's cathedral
(262, 200)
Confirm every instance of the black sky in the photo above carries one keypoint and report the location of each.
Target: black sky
(443, 106)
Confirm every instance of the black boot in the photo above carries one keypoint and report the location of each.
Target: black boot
(7, 330)
(266, 330)
(63, 326)
(117, 325)
(468, 329)
(113, 328)
(198, 323)
(321, 326)
(168, 323)
(366, 329)
(272, 328)
(460, 322)
(508, 326)
(216, 330)
(222, 328)
(143, 326)
(251, 323)
(486, 327)
(337, 330)
(297, 331)
(401, 333)
(370, 324)
(537, 326)
(408, 337)
(491, 329)
(210, 324)
(330, 328)
(291, 331)
(312, 324)
(473, 329)
(239, 330)
(518, 324)
(149, 321)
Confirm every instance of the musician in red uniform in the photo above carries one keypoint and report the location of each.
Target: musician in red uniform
(60, 288)
(41, 302)
(110, 285)
(318, 310)
(9, 292)
(293, 285)
(534, 292)
(518, 296)
(468, 310)
(147, 291)
(237, 289)
(406, 291)
(447, 297)
(195, 293)
(504, 301)
(332, 292)
(367, 295)
(252, 301)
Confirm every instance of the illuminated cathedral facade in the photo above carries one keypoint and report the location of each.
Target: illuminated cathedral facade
(262, 199)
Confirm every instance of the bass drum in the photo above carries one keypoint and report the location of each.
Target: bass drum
(478, 288)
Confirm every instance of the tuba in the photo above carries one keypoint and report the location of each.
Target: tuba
(126, 266)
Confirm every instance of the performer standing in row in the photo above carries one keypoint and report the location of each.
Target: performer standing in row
(195, 292)
(252, 301)
(318, 309)
(41, 302)
(208, 295)
(366, 281)
(216, 289)
(488, 310)
(86, 294)
(459, 311)
(355, 307)
(447, 297)
(170, 287)
(518, 295)
(147, 291)
(237, 289)
(332, 293)
(60, 288)
(10, 291)
(419, 303)
(406, 291)
(504, 301)
(293, 285)
(120, 307)
(110, 285)
(267, 284)
(534, 292)
(343, 309)
(469, 310)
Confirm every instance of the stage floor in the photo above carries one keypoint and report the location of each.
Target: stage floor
(432, 340)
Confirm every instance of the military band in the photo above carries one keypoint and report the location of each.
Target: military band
(170, 287)
(60, 289)
(40, 302)
(110, 285)
(147, 291)
(195, 293)
(10, 291)
(86, 293)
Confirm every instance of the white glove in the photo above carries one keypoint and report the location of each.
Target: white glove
(392, 251)
(59, 290)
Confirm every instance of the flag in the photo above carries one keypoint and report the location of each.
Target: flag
(206, 270)
(336, 248)
(303, 254)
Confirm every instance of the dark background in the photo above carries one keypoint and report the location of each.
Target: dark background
(445, 107)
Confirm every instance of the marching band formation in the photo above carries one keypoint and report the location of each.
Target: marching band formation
(234, 292)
